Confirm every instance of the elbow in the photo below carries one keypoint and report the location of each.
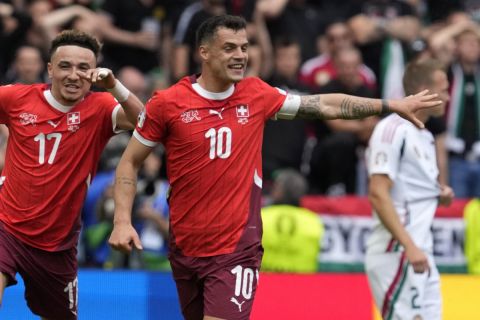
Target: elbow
(375, 196)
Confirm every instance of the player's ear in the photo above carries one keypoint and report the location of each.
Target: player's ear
(49, 70)
(203, 52)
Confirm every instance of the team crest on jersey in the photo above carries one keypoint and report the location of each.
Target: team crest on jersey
(141, 118)
(73, 121)
(28, 118)
(242, 113)
(189, 116)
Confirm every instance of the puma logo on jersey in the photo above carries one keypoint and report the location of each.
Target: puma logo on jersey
(53, 124)
(234, 300)
(218, 113)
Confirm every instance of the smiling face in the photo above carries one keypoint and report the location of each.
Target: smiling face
(67, 87)
(225, 56)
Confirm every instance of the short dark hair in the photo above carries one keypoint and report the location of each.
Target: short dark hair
(207, 29)
(75, 38)
(419, 73)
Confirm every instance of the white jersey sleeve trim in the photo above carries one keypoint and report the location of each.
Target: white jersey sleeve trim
(144, 141)
(114, 119)
(289, 108)
(256, 178)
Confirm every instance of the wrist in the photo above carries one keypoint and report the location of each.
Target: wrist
(122, 220)
(119, 91)
(386, 109)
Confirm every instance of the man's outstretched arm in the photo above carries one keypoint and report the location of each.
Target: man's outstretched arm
(342, 106)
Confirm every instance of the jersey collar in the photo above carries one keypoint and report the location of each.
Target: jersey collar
(211, 95)
(54, 103)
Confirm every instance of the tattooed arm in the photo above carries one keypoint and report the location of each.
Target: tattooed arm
(124, 237)
(342, 106)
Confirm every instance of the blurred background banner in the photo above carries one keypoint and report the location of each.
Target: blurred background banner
(132, 295)
(347, 221)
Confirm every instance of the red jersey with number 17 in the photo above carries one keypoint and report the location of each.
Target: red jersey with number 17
(214, 163)
(52, 155)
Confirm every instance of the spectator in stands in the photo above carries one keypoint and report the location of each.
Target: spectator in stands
(301, 21)
(333, 164)
(136, 82)
(48, 21)
(441, 39)
(14, 26)
(284, 141)
(185, 61)
(28, 67)
(463, 117)
(132, 33)
(320, 70)
(385, 30)
(291, 234)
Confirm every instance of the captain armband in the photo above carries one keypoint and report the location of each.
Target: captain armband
(290, 107)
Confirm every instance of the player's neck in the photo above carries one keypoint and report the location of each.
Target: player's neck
(422, 115)
(213, 85)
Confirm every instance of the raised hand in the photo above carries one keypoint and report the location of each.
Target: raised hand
(407, 106)
(101, 77)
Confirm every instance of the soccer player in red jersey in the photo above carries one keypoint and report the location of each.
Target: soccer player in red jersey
(57, 133)
(212, 127)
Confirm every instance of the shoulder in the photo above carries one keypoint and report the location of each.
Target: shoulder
(100, 98)
(391, 127)
(20, 92)
(18, 87)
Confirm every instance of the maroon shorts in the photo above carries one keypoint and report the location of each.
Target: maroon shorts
(50, 277)
(221, 286)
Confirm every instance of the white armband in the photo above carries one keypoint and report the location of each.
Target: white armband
(119, 91)
(290, 107)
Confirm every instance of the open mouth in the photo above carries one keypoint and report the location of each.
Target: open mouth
(72, 88)
(236, 66)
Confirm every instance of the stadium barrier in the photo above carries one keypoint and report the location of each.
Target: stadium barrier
(134, 295)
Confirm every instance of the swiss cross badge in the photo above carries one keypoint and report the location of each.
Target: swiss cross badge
(242, 113)
(73, 121)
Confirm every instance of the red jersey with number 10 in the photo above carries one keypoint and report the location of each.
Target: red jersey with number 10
(52, 155)
(213, 143)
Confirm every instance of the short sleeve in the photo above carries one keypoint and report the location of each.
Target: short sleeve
(151, 125)
(273, 98)
(385, 149)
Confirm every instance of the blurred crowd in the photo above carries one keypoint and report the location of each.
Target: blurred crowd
(357, 47)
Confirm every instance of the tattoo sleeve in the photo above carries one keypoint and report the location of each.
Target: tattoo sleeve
(126, 181)
(353, 108)
(310, 108)
(339, 107)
